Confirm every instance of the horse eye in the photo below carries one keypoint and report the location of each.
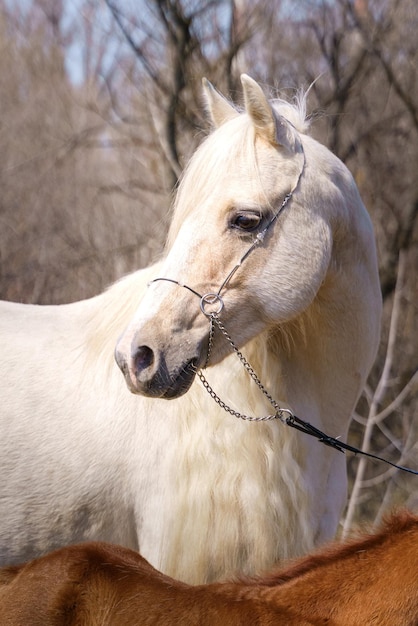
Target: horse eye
(246, 221)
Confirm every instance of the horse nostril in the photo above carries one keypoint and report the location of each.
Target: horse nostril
(144, 357)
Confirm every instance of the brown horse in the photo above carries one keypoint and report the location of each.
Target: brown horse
(372, 580)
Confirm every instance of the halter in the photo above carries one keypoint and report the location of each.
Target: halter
(212, 304)
(212, 299)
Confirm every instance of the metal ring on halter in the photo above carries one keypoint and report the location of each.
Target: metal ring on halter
(210, 299)
(280, 413)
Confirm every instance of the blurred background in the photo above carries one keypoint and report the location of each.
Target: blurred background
(101, 108)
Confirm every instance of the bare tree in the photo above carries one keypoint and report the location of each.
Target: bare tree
(66, 226)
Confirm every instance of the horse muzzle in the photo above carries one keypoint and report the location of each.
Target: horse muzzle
(148, 374)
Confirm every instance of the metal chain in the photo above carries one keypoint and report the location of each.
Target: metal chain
(279, 412)
(210, 340)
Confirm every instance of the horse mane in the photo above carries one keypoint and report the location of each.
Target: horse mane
(392, 526)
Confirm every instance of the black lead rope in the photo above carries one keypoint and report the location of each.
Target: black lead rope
(308, 429)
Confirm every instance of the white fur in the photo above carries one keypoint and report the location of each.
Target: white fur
(202, 494)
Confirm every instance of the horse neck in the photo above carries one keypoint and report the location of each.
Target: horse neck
(299, 362)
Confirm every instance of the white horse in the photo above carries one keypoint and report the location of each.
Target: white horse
(201, 494)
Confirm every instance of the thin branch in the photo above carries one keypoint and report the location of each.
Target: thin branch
(138, 51)
(374, 45)
(379, 417)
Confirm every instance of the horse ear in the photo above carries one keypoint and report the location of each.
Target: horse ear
(220, 110)
(268, 124)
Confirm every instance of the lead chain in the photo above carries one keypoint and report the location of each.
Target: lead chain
(279, 414)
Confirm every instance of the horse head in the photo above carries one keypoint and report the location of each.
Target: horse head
(257, 165)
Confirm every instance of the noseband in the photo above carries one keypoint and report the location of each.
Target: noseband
(212, 304)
